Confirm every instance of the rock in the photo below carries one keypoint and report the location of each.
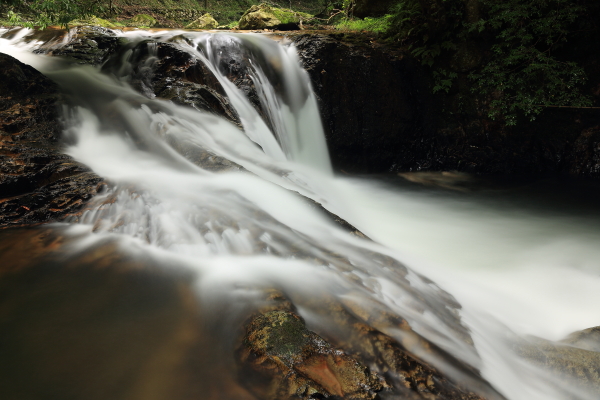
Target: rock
(38, 183)
(587, 339)
(374, 104)
(204, 22)
(259, 17)
(174, 75)
(165, 71)
(93, 323)
(578, 365)
(264, 16)
(92, 21)
(299, 363)
(281, 359)
(400, 126)
(142, 21)
(90, 45)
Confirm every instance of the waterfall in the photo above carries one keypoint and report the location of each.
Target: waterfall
(256, 223)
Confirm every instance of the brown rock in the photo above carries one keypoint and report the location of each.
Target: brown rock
(37, 182)
(297, 362)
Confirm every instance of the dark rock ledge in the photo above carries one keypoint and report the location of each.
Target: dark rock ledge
(380, 116)
(38, 183)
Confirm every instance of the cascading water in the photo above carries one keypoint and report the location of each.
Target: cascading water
(250, 226)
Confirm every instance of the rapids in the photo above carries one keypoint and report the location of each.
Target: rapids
(515, 270)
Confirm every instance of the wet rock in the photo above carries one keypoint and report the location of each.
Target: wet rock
(90, 45)
(572, 359)
(299, 363)
(452, 180)
(281, 359)
(90, 321)
(374, 105)
(165, 71)
(587, 339)
(380, 116)
(234, 63)
(204, 22)
(37, 182)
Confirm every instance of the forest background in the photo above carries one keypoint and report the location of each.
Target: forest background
(517, 57)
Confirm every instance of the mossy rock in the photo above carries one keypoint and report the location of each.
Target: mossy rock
(204, 22)
(142, 21)
(264, 16)
(298, 363)
(93, 21)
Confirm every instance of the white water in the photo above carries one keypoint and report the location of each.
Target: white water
(514, 272)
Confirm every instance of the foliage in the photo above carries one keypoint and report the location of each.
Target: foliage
(54, 12)
(523, 72)
(443, 80)
(378, 25)
(520, 70)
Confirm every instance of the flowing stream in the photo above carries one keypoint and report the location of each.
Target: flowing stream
(516, 269)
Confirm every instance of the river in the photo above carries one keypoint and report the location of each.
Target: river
(522, 265)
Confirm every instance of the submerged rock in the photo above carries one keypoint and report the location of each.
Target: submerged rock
(300, 363)
(204, 22)
(281, 359)
(575, 359)
(38, 183)
(587, 339)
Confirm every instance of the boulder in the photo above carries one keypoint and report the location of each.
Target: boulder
(142, 21)
(264, 16)
(574, 359)
(90, 45)
(587, 339)
(298, 362)
(92, 21)
(204, 22)
(281, 359)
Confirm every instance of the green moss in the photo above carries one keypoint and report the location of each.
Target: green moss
(92, 21)
(282, 334)
(142, 21)
(289, 16)
(265, 16)
(377, 25)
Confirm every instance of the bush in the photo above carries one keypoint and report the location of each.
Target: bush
(54, 12)
(377, 25)
(510, 49)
